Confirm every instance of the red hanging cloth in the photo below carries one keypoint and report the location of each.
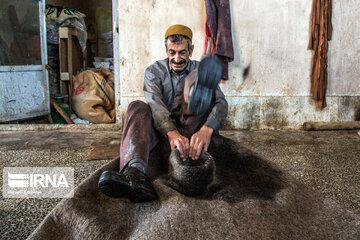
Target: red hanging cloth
(320, 34)
(218, 32)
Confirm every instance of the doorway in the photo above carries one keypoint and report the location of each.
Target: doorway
(68, 54)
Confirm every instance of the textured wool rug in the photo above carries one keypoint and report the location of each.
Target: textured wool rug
(250, 199)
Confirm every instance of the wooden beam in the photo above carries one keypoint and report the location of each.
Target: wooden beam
(319, 126)
(70, 69)
(60, 111)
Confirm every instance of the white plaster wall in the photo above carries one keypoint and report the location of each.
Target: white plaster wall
(142, 25)
(272, 36)
(344, 50)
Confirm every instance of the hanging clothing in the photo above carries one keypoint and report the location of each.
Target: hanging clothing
(218, 32)
(320, 34)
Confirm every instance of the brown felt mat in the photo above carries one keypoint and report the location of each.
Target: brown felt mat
(251, 199)
(104, 148)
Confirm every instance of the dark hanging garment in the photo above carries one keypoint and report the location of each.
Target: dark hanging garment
(218, 32)
(320, 34)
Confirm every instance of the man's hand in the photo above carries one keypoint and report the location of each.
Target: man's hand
(200, 140)
(179, 141)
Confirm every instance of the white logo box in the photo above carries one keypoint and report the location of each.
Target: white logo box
(38, 182)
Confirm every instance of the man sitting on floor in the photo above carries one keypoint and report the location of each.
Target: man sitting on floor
(168, 86)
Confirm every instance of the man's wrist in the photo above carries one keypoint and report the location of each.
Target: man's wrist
(172, 132)
(208, 129)
(166, 127)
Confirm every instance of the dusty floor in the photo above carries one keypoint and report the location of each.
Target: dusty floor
(327, 161)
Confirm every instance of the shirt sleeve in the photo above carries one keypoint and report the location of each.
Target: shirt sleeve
(219, 111)
(153, 96)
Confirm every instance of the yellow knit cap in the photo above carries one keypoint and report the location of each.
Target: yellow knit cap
(179, 29)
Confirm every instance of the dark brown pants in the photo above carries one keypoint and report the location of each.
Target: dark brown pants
(140, 137)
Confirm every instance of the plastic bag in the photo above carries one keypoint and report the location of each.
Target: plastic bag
(57, 16)
(52, 31)
(79, 24)
(105, 44)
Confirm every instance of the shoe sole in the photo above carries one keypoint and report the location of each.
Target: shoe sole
(113, 185)
(208, 78)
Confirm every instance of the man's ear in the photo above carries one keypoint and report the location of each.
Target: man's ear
(191, 50)
(166, 43)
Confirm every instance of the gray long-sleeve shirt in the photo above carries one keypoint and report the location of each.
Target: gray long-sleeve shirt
(163, 90)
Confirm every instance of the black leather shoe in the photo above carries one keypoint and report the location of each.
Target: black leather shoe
(132, 184)
(208, 78)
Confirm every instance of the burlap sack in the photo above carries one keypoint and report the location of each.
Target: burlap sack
(93, 97)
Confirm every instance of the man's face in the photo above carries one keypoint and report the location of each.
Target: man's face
(178, 54)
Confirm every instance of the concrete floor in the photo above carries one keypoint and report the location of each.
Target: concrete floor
(327, 161)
